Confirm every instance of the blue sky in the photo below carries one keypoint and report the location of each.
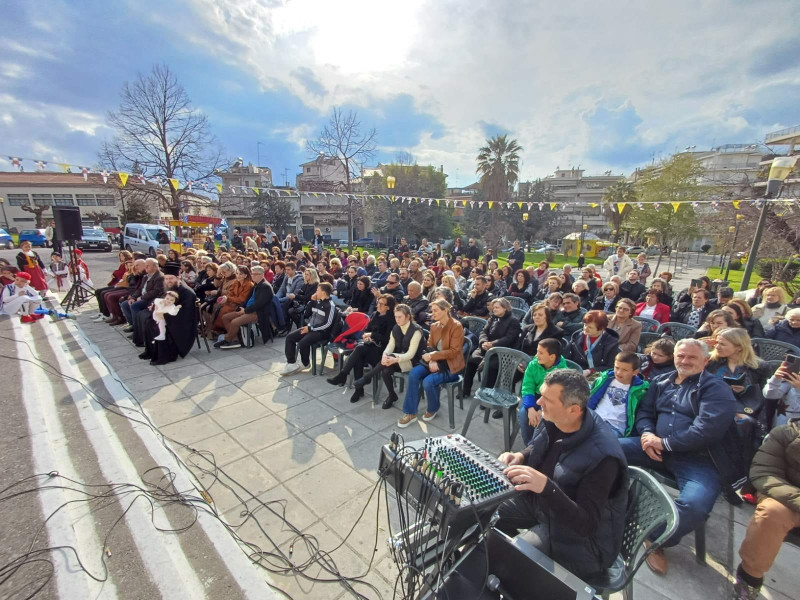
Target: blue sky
(601, 85)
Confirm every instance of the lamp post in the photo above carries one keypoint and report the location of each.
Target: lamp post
(778, 172)
(3, 205)
(583, 233)
(390, 181)
(735, 231)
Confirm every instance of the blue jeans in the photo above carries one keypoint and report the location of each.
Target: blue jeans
(525, 429)
(698, 480)
(130, 310)
(430, 383)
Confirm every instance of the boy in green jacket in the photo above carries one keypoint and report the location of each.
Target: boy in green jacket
(616, 394)
(548, 358)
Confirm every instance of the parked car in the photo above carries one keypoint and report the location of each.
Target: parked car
(547, 248)
(94, 238)
(6, 241)
(656, 250)
(366, 242)
(141, 237)
(34, 236)
(635, 250)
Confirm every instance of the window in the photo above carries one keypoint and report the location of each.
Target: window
(308, 169)
(18, 200)
(110, 224)
(86, 200)
(106, 201)
(24, 220)
(62, 200)
(246, 183)
(43, 199)
(307, 220)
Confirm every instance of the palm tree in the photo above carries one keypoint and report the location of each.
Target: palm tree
(498, 166)
(620, 192)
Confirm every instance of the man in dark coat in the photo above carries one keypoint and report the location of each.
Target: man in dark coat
(571, 481)
(181, 328)
(681, 427)
(472, 250)
(516, 258)
(477, 303)
(632, 288)
(237, 241)
(417, 302)
(255, 310)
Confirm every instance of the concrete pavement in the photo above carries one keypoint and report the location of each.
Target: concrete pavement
(291, 442)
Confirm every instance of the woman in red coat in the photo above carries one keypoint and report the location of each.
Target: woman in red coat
(651, 308)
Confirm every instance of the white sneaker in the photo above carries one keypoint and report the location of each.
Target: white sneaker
(98, 317)
(290, 368)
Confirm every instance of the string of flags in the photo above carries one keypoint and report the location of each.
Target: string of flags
(241, 190)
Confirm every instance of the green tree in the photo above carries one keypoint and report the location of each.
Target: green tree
(674, 180)
(622, 192)
(498, 167)
(410, 219)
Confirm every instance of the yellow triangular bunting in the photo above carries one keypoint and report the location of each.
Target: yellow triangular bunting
(175, 183)
(675, 206)
(123, 178)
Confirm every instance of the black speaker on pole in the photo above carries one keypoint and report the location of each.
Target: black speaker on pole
(68, 223)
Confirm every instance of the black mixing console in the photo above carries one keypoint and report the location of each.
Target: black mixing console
(450, 471)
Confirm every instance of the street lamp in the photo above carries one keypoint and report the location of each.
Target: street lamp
(3, 205)
(735, 232)
(583, 233)
(778, 172)
(390, 181)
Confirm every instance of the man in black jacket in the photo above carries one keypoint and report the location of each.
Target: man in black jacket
(516, 258)
(392, 287)
(571, 481)
(237, 241)
(255, 310)
(477, 303)
(417, 302)
(472, 250)
(681, 425)
(632, 288)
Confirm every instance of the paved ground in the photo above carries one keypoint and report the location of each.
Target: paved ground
(299, 441)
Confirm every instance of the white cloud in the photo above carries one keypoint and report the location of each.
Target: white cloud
(535, 71)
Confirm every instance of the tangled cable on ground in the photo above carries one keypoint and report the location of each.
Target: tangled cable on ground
(163, 493)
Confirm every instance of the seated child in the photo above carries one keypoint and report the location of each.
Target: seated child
(616, 394)
(164, 306)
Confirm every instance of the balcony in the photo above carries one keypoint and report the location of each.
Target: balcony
(784, 136)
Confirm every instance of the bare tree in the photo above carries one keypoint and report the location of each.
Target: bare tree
(159, 133)
(343, 139)
(98, 216)
(37, 213)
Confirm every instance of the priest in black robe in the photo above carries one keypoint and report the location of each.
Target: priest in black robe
(181, 328)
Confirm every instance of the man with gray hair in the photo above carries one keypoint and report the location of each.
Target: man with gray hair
(417, 302)
(682, 427)
(255, 310)
(574, 481)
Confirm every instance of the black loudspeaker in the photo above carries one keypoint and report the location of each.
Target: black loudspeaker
(68, 223)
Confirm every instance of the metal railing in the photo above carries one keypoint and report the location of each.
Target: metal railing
(774, 135)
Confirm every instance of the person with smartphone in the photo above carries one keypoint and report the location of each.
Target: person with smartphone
(782, 390)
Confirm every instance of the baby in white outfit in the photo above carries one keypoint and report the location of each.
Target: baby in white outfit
(164, 306)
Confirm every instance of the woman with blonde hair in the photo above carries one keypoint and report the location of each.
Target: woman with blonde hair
(734, 360)
(449, 282)
(773, 308)
(429, 284)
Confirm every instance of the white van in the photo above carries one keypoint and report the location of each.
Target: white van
(141, 237)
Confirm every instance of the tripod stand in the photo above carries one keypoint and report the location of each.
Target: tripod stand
(80, 292)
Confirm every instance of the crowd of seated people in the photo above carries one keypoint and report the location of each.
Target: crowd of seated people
(669, 406)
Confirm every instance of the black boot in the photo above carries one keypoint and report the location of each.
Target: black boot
(358, 394)
(339, 379)
(391, 399)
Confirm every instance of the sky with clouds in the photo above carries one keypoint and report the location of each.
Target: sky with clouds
(604, 85)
